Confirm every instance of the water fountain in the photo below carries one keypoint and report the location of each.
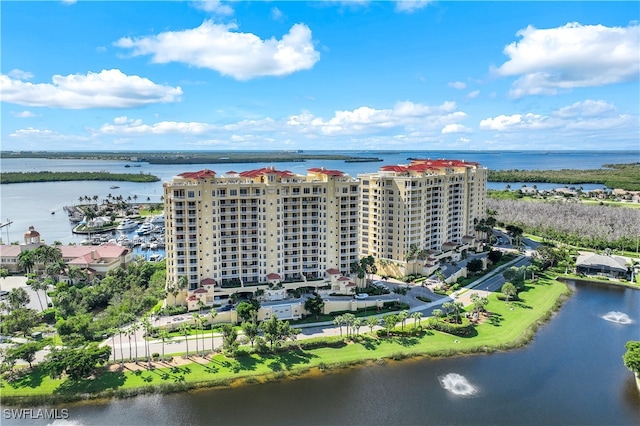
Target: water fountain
(617, 317)
(457, 385)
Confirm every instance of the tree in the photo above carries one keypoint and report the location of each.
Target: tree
(390, 321)
(77, 363)
(26, 352)
(36, 285)
(18, 298)
(251, 330)
(26, 260)
(135, 327)
(457, 308)
(416, 317)
(509, 290)
(229, 339)
(212, 314)
(348, 319)
(631, 357)
(494, 256)
(437, 313)
(184, 329)
(402, 317)
(446, 306)
(4, 273)
(474, 265)
(314, 305)
(247, 309)
(372, 322)
(276, 332)
(146, 326)
(338, 320)
(164, 336)
(196, 319)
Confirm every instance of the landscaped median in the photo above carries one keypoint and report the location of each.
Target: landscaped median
(510, 325)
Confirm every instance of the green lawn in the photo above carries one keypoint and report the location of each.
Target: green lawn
(510, 325)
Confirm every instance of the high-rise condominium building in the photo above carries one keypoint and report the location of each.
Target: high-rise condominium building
(252, 226)
(423, 205)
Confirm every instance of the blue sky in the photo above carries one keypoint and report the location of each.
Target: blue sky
(374, 75)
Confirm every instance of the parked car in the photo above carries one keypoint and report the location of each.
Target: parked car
(4, 294)
(226, 308)
(361, 296)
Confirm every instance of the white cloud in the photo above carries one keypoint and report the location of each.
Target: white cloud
(410, 6)
(550, 60)
(20, 75)
(23, 114)
(30, 134)
(69, 2)
(586, 108)
(213, 6)
(240, 55)
(473, 95)
(458, 85)
(125, 125)
(276, 14)
(588, 116)
(515, 122)
(365, 119)
(106, 89)
(455, 128)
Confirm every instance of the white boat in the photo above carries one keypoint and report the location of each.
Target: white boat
(126, 224)
(155, 258)
(157, 220)
(145, 228)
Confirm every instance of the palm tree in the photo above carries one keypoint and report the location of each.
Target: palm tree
(120, 330)
(164, 336)
(402, 316)
(146, 325)
(196, 317)
(437, 313)
(416, 316)
(446, 306)
(212, 314)
(129, 332)
(36, 285)
(338, 320)
(184, 329)
(372, 322)
(4, 273)
(26, 260)
(135, 327)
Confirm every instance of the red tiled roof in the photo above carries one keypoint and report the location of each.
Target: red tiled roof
(208, 281)
(273, 276)
(350, 285)
(201, 174)
(326, 171)
(333, 271)
(191, 298)
(265, 171)
(398, 169)
(343, 279)
(200, 290)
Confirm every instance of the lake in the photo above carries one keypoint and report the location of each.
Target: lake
(570, 374)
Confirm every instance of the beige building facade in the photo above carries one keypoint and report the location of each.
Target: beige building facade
(427, 205)
(251, 228)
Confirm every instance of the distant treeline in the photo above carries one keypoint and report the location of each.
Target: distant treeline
(623, 176)
(20, 177)
(217, 157)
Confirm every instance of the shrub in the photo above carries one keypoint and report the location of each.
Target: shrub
(464, 329)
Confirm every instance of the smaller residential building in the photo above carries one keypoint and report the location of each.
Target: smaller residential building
(602, 264)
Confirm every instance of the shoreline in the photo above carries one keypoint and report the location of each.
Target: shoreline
(353, 360)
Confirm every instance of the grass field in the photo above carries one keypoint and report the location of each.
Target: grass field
(510, 325)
